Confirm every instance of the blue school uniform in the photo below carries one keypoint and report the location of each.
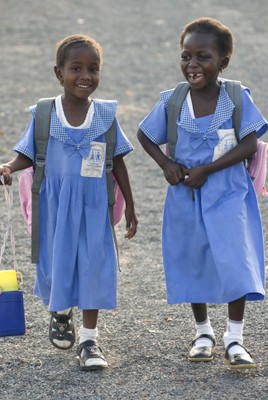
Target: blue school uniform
(212, 239)
(78, 265)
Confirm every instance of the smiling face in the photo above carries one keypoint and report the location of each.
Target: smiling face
(80, 73)
(201, 60)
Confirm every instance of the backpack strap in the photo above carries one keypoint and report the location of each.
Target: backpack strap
(110, 138)
(174, 108)
(41, 136)
(233, 89)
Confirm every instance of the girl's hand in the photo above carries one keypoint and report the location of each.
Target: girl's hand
(121, 175)
(19, 162)
(6, 174)
(131, 222)
(173, 172)
(195, 177)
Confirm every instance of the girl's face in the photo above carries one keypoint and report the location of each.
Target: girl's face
(201, 61)
(81, 72)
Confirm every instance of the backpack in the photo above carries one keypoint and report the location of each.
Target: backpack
(30, 179)
(256, 165)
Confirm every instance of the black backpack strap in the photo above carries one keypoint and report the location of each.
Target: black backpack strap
(110, 138)
(174, 108)
(233, 89)
(41, 136)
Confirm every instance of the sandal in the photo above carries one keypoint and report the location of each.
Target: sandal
(61, 330)
(238, 361)
(90, 356)
(204, 353)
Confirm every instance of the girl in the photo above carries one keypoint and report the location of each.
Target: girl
(212, 233)
(78, 264)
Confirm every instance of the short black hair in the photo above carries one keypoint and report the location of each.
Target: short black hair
(221, 32)
(78, 40)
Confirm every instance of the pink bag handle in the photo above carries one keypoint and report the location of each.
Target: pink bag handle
(8, 190)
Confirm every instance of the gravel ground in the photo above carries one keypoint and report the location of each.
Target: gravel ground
(145, 341)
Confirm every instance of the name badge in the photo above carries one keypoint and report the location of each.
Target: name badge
(227, 141)
(92, 166)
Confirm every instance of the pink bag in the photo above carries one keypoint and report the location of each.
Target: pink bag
(119, 206)
(258, 167)
(25, 195)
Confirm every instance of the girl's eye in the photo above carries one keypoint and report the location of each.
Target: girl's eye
(76, 68)
(94, 70)
(185, 57)
(203, 57)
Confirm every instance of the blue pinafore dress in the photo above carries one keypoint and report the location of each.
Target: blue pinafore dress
(78, 265)
(212, 240)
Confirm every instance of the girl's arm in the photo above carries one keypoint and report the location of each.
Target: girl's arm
(121, 175)
(173, 171)
(245, 149)
(18, 163)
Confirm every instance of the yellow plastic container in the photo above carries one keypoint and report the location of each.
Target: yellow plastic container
(10, 280)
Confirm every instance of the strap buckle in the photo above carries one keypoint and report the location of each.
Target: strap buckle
(109, 166)
(40, 160)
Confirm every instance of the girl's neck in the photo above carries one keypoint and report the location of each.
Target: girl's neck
(75, 111)
(205, 101)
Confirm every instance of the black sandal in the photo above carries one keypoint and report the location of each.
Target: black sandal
(90, 356)
(238, 360)
(204, 353)
(61, 329)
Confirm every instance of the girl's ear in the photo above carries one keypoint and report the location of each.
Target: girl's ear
(225, 62)
(58, 74)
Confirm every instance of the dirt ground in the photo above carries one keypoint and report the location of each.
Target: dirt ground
(145, 341)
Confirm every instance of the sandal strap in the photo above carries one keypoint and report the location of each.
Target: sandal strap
(62, 336)
(84, 345)
(232, 344)
(90, 347)
(207, 336)
(62, 318)
(62, 327)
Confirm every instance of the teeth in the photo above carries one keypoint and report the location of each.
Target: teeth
(83, 86)
(194, 76)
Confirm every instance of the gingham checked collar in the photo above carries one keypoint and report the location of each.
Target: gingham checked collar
(104, 114)
(223, 112)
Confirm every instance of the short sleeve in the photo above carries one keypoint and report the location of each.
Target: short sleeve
(154, 125)
(123, 145)
(26, 145)
(252, 119)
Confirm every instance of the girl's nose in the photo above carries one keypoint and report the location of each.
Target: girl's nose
(193, 62)
(85, 75)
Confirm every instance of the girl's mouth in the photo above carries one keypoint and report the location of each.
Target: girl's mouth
(83, 86)
(195, 78)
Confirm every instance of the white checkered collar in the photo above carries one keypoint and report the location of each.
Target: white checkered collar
(104, 114)
(223, 112)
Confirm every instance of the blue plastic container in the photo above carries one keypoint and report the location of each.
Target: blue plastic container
(12, 319)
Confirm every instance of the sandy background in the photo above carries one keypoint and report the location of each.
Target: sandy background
(146, 341)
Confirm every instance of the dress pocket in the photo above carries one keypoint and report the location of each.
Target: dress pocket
(227, 141)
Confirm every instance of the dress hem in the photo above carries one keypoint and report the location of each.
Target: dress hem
(251, 296)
